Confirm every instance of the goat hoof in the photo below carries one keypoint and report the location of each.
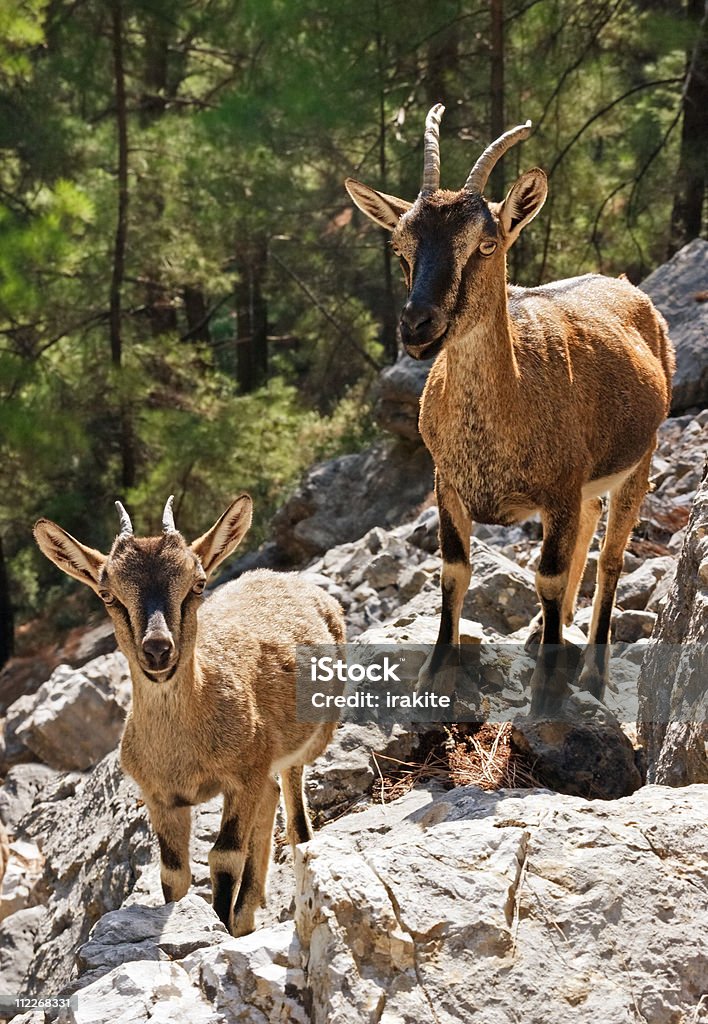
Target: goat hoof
(592, 681)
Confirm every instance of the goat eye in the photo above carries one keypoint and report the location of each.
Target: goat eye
(106, 596)
(487, 247)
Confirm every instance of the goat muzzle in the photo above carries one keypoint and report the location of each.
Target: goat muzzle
(422, 329)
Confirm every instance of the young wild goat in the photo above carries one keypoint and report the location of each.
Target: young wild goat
(539, 400)
(213, 693)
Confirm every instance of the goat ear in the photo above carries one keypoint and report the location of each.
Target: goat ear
(225, 535)
(382, 209)
(68, 554)
(523, 201)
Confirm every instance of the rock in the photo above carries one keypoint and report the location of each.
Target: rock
(94, 835)
(630, 626)
(77, 716)
(23, 785)
(635, 589)
(255, 979)
(346, 771)
(339, 500)
(160, 992)
(12, 749)
(673, 287)
(581, 756)
(673, 695)
(501, 595)
(24, 675)
(167, 932)
(455, 906)
(397, 399)
(23, 871)
(18, 934)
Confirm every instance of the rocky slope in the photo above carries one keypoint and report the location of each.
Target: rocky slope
(444, 904)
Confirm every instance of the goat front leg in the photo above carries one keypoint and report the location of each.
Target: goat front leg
(172, 826)
(229, 854)
(549, 683)
(454, 534)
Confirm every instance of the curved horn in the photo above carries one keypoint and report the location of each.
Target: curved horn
(431, 150)
(126, 527)
(479, 175)
(168, 519)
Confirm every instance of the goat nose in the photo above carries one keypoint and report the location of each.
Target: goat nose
(421, 324)
(415, 316)
(157, 648)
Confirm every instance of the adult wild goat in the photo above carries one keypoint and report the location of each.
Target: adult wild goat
(539, 400)
(213, 693)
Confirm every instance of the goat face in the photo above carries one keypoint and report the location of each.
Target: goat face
(448, 245)
(151, 586)
(452, 245)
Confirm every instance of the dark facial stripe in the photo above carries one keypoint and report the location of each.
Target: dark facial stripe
(223, 890)
(169, 857)
(228, 838)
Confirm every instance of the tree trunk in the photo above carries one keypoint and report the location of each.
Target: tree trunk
(689, 196)
(251, 315)
(196, 313)
(7, 623)
(122, 216)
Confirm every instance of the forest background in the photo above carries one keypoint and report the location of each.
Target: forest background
(188, 301)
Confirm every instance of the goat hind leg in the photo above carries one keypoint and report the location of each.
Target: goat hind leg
(589, 515)
(298, 827)
(561, 529)
(623, 513)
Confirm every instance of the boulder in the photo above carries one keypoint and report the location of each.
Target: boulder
(138, 932)
(77, 716)
(18, 935)
(94, 835)
(22, 786)
(339, 500)
(673, 691)
(254, 980)
(635, 589)
(674, 288)
(507, 906)
(397, 396)
(581, 755)
(24, 675)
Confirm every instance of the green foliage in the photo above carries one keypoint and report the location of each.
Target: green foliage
(254, 305)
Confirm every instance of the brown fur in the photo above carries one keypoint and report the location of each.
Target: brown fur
(220, 715)
(539, 400)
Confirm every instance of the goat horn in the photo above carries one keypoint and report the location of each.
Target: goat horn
(126, 527)
(479, 175)
(168, 519)
(431, 150)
